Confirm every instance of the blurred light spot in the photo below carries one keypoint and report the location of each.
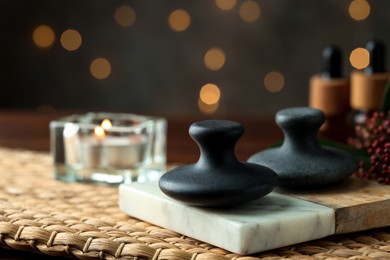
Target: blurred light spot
(99, 132)
(43, 36)
(249, 11)
(206, 108)
(225, 4)
(71, 40)
(45, 108)
(106, 124)
(359, 9)
(179, 20)
(125, 16)
(214, 59)
(210, 94)
(359, 58)
(100, 68)
(274, 81)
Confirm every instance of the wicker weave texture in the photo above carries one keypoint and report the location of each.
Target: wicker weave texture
(83, 221)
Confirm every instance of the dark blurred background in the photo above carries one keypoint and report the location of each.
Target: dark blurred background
(177, 57)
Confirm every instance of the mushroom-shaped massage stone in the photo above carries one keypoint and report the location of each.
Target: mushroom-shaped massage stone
(218, 178)
(301, 162)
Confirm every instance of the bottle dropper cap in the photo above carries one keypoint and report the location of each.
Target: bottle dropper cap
(331, 58)
(329, 90)
(377, 57)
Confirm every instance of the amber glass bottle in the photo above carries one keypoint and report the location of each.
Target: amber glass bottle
(329, 91)
(368, 86)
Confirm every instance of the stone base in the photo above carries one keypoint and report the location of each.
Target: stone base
(273, 221)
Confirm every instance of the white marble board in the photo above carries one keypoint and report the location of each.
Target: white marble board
(273, 221)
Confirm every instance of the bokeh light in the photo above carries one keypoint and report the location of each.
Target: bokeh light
(43, 36)
(274, 81)
(214, 59)
(249, 11)
(210, 94)
(359, 58)
(99, 132)
(225, 4)
(125, 16)
(45, 108)
(359, 10)
(71, 40)
(207, 108)
(179, 20)
(100, 68)
(106, 124)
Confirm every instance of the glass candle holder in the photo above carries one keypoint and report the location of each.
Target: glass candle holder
(109, 148)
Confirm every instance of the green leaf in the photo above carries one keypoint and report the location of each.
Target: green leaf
(360, 154)
(386, 98)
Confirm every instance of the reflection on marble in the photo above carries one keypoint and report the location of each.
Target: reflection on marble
(273, 221)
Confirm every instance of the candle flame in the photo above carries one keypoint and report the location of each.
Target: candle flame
(106, 124)
(99, 132)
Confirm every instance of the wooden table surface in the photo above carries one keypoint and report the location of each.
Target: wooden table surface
(30, 130)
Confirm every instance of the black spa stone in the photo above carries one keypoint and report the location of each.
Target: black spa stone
(218, 178)
(301, 162)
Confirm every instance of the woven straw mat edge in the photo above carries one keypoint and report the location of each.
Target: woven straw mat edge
(83, 221)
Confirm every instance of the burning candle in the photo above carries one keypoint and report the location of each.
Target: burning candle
(91, 148)
(120, 151)
(102, 150)
(118, 148)
(123, 152)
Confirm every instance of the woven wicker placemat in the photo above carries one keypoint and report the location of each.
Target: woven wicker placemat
(83, 221)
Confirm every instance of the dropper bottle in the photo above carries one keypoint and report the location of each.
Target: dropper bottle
(329, 92)
(367, 87)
